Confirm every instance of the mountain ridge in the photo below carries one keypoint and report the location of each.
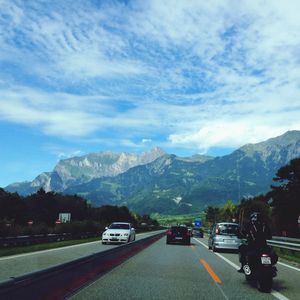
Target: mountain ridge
(167, 183)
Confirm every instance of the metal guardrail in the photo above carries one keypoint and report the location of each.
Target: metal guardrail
(26, 240)
(284, 242)
(43, 238)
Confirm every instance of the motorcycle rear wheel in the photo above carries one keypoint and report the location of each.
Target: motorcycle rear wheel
(264, 284)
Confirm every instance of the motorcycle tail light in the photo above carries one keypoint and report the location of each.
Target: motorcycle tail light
(266, 259)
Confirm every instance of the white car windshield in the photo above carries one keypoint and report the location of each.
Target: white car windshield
(119, 226)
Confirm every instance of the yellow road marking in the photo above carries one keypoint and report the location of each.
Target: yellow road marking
(211, 271)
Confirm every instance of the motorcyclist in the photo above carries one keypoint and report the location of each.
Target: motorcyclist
(257, 232)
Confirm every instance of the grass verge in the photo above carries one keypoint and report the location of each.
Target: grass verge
(45, 246)
(288, 255)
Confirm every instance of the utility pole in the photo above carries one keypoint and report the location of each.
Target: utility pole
(238, 177)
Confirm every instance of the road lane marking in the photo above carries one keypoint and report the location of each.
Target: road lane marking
(273, 292)
(201, 243)
(214, 276)
(235, 266)
(211, 272)
(288, 266)
(228, 261)
(278, 295)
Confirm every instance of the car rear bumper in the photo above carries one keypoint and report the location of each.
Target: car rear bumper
(177, 241)
(233, 246)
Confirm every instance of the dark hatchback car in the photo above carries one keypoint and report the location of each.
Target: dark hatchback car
(197, 232)
(179, 234)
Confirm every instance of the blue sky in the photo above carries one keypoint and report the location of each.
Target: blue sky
(188, 76)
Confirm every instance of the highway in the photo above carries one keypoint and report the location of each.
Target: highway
(160, 271)
(16, 265)
(185, 272)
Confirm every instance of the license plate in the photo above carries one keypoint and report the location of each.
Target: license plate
(229, 241)
(266, 260)
(178, 238)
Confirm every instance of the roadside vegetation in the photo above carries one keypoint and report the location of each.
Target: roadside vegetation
(39, 213)
(280, 207)
(288, 255)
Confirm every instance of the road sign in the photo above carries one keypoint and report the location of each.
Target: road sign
(198, 223)
(64, 217)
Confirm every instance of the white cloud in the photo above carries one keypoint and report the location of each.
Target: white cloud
(195, 74)
(72, 44)
(229, 135)
(145, 141)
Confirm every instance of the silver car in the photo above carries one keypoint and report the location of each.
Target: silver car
(224, 235)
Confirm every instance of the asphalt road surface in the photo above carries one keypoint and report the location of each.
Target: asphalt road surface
(16, 265)
(164, 271)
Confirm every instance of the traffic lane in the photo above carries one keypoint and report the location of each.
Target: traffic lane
(232, 283)
(286, 282)
(17, 265)
(159, 272)
(164, 271)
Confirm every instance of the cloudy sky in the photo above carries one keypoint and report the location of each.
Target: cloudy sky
(187, 76)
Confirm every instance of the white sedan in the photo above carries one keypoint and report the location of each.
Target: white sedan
(118, 232)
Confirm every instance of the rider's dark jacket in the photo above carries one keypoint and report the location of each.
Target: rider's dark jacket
(256, 233)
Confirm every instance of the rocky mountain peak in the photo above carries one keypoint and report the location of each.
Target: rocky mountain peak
(102, 164)
(287, 145)
(150, 181)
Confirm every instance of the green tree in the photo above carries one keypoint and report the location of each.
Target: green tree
(285, 197)
(228, 211)
(212, 215)
(248, 205)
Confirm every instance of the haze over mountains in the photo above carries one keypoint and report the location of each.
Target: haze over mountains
(159, 182)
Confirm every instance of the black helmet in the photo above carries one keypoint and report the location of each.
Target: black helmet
(255, 216)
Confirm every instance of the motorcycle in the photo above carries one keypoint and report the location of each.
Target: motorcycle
(260, 267)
